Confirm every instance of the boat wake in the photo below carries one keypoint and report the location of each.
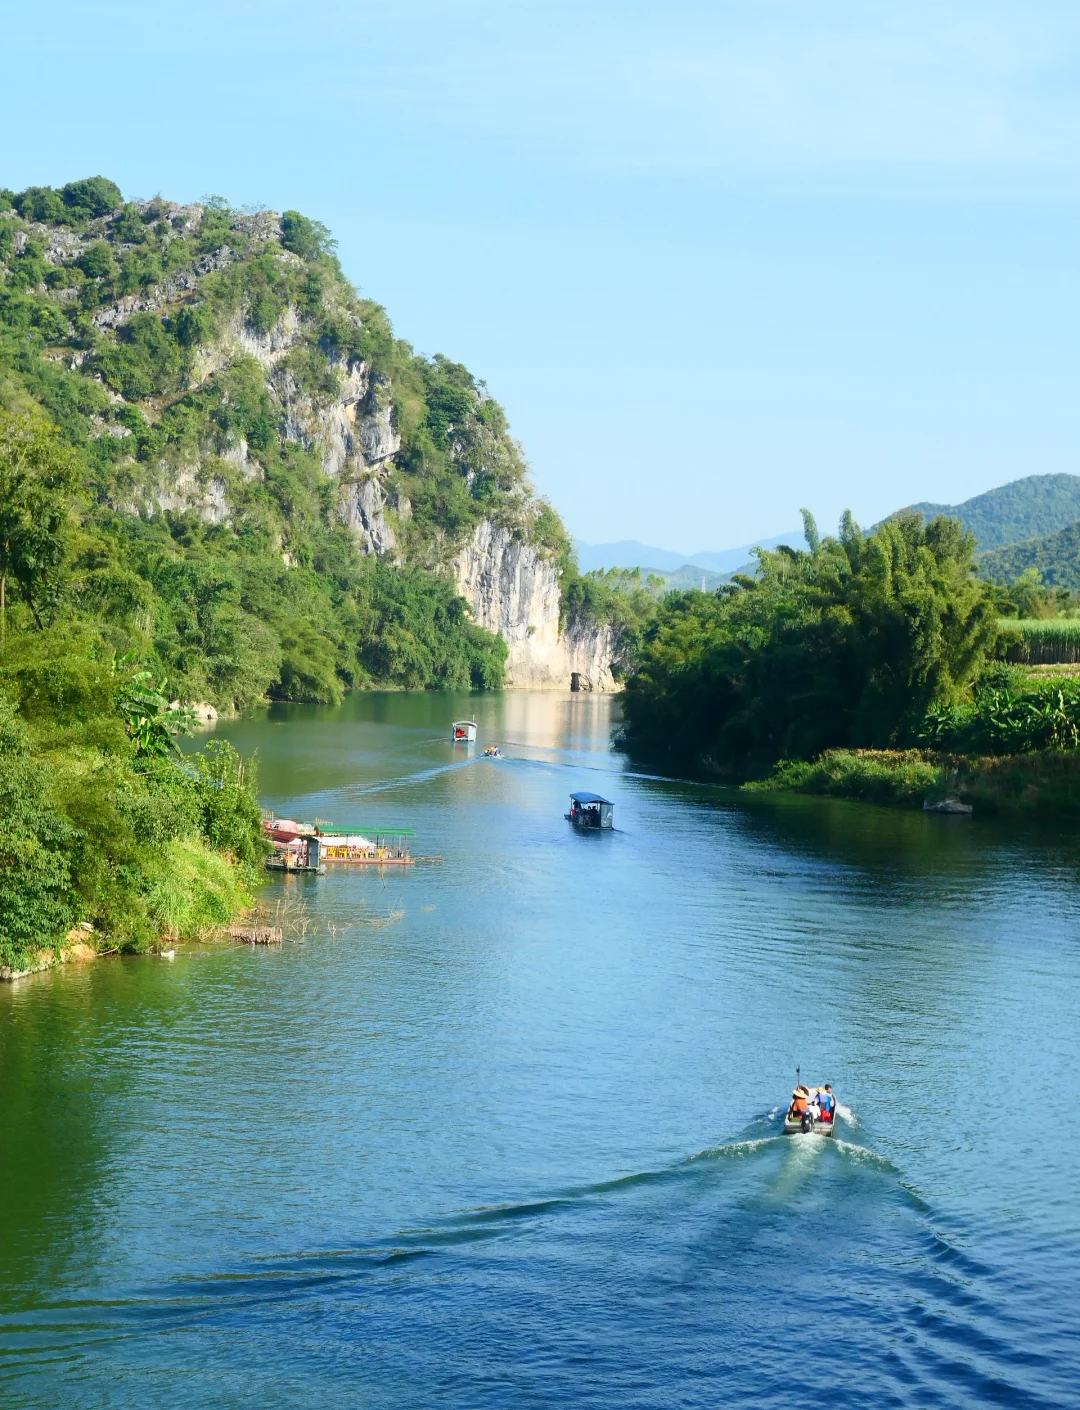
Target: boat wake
(715, 1230)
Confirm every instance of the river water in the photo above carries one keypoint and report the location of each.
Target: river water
(503, 1129)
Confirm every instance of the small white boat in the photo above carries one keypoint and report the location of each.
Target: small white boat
(463, 732)
(809, 1112)
(493, 752)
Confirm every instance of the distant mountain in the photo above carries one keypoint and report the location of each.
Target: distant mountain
(1056, 556)
(1031, 508)
(691, 576)
(683, 577)
(630, 553)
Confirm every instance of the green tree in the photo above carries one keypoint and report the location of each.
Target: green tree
(97, 262)
(304, 237)
(91, 197)
(848, 644)
(39, 477)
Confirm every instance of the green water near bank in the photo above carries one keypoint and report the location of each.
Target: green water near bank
(508, 1131)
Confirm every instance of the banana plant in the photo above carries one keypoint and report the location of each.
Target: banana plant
(152, 722)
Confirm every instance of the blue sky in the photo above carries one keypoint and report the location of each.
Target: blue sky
(717, 260)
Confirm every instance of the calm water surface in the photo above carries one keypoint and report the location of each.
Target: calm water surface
(503, 1129)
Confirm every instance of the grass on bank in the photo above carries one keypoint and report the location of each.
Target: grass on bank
(196, 890)
(1039, 784)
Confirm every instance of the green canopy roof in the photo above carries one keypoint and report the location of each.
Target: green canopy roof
(360, 828)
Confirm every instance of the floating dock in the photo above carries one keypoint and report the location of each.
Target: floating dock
(385, 847)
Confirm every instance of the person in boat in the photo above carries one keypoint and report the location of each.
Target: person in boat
(800, 1100)
(826, 1102)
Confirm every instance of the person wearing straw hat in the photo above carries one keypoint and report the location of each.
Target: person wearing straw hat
(800, 1097)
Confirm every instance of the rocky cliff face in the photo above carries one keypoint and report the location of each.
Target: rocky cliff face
(511, 589)
(352, 429)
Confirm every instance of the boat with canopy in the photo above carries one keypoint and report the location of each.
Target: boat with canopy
(589, 811)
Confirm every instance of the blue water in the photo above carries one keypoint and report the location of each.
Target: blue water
(504, 1129)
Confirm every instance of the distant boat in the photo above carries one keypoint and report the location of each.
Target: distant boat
(493, 752)
(463, 732)
(589, 811)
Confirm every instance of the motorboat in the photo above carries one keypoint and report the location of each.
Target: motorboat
(493, 752)
(463, 732)
(808, 1112)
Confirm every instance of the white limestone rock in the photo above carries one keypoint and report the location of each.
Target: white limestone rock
(511, 589)
(361, 509)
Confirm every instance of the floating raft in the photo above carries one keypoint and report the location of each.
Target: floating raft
(387, 847)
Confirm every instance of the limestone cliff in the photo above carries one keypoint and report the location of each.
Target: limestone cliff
(512, 589)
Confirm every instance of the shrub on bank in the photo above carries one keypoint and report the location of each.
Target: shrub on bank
(1009, 712)
(97, 824)
(879, 776)
(1046, 783)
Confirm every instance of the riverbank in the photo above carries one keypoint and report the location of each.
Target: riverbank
(76, 950)
(1044, 784)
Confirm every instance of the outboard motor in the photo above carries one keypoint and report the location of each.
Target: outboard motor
(807, 1123)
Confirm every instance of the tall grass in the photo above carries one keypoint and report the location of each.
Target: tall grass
(195, 891)
(1041, 641)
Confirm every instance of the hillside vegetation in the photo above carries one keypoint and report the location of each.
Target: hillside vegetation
(1055, 559)
(1029, 508)
(265, 485)
(101, 826)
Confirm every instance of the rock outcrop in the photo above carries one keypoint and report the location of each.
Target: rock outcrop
(361, 508)
(511, 589)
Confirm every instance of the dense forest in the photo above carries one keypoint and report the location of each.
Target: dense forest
(1054, 559)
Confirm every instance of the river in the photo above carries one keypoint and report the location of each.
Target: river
(503, 1129)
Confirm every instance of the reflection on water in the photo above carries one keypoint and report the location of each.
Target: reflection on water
(520, 1144)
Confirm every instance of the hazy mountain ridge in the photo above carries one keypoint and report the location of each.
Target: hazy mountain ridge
(1030, 522)
(631, 553)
